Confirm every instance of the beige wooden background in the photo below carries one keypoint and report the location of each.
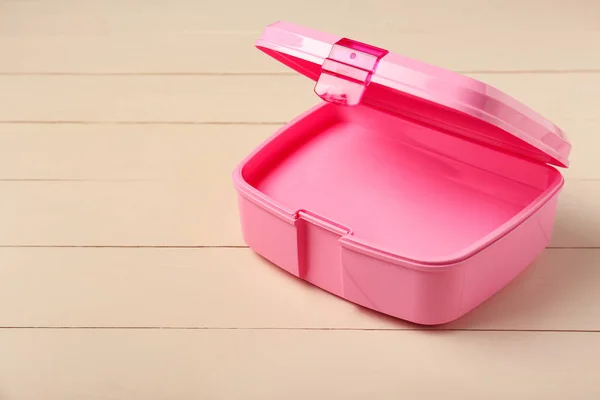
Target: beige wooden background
(123, 274)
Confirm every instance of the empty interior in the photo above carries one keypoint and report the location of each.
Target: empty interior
(402, 187)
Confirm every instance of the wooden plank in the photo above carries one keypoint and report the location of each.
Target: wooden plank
(202, 52)
(201, 153)
(253, 99)
(200, 213)
(180, 36)
(120, 213)
(71, 17)
(154, 98)
(178, 52)
(203, 364)
(173, 152)
(234, 288)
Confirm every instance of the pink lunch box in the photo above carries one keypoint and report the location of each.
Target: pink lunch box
(411, 190)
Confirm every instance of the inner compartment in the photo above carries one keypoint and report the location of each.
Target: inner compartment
(402, 187)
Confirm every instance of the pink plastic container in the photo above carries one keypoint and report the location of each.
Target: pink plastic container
(410, 190)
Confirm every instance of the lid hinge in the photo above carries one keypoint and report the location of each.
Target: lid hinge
(347, 71)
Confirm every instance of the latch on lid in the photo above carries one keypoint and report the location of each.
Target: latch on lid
(347, 71)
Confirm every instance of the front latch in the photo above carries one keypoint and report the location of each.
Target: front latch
(347, 71)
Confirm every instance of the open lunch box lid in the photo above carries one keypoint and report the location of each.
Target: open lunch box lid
(349, 73)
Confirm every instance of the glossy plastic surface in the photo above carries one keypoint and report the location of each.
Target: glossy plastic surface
(455, 103)
(385, 206)
(391, 214)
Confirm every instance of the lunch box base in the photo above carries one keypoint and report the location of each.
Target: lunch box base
(394, 215)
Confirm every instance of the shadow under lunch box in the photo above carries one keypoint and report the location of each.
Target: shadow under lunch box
(411, 190)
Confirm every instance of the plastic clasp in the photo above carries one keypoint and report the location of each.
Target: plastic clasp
(347, 71)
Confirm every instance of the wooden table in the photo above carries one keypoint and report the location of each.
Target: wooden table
(123, 274)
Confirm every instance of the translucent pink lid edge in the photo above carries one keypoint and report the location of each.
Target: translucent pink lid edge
(439, 93)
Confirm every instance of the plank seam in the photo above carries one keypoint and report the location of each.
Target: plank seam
(306, 329)
(282, 73)
(81, 122)
(68, 246)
